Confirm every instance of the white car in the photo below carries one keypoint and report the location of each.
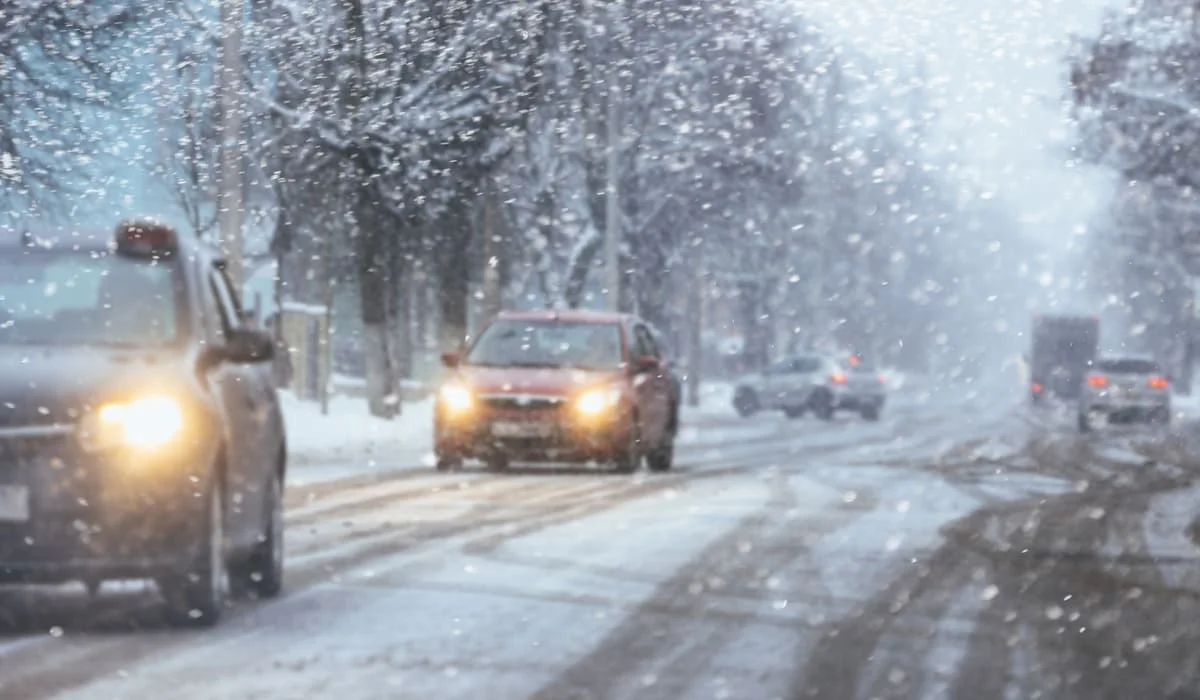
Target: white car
(811, 383)
(1124, 389)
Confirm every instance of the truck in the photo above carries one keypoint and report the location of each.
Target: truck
(1063, 347)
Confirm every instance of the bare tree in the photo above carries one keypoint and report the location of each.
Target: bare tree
(61, 58)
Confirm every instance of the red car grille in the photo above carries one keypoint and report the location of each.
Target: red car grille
(524, 404)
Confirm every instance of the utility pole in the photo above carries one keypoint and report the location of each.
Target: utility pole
(229, 195)
(612, 209)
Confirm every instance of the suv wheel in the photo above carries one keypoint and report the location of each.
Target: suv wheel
(745, 402)
(196, 597)
(261, 573)
(821, 404)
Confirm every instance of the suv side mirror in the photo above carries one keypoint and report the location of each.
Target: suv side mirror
(245, 346)
(451, 359)
(248, 345)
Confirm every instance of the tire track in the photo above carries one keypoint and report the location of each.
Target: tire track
(1071, 568)
(842, 657)
(698, 637)
(524, 496)
(80, 660)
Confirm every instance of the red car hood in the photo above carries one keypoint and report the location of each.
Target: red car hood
(520, 380)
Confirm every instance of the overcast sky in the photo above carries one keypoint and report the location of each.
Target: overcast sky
(998, 68)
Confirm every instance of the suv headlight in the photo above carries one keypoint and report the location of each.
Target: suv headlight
(148, 423)
(598, 401)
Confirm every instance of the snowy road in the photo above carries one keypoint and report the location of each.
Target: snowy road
(955, 549)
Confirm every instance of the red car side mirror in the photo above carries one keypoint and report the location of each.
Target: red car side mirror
(646, 364)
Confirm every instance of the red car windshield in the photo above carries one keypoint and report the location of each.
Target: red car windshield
(550, 344)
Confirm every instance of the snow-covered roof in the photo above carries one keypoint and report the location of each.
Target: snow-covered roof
(309, 309)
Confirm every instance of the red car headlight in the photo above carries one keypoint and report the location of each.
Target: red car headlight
(598, 402)
(456, 398)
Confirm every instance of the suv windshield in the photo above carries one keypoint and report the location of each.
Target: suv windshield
(93, 298)
(510, 343)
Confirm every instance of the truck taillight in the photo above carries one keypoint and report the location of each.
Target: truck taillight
(1159, 383)
(837, 378)
(1098, 380)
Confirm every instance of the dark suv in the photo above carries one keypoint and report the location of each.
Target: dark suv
(140, 432)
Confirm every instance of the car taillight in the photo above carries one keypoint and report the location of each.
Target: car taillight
(882, 379)
(1159, 383)
(1098, 381)
(1037, 388)
(837, 378)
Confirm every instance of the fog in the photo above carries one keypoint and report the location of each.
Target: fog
(996, 72)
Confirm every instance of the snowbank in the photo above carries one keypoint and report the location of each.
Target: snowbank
(716, 399)
(350, 432)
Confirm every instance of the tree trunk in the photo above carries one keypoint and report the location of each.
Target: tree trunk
(695, 349)
(418, 299)
(373, 290)
(405, 329)
(648, 288)
(395, 324)
(373, 246)
(754, 330)
(580, 267)
(375, 356)
(453, 274)
(492, 251)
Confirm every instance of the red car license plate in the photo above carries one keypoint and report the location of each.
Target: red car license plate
(522, 430)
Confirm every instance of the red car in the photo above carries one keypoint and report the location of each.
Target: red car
(547, 386)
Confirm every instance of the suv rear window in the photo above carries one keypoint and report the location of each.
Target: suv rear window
(1127, 366)
(808, 364)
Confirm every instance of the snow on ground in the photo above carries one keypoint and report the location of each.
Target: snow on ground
(904, 514)
(716, 399)
(1186, 407)
(349, 433)
(1169, 527)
